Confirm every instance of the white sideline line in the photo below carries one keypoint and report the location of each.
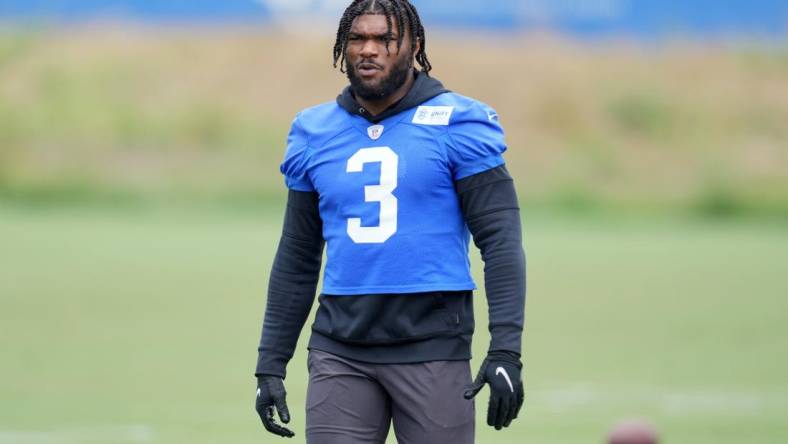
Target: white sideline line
(669, 401)
(131, 434)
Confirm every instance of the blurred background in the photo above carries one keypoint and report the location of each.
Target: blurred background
(141, 204)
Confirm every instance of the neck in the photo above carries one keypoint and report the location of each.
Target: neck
(376, 107)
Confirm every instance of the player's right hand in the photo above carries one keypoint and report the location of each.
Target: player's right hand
(271, 396)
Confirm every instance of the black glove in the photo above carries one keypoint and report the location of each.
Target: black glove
(271, 393)
(502, 371)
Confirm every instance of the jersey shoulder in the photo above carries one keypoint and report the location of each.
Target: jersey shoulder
(322, 122)
(464, 109)
(311, 129)
(473, 136)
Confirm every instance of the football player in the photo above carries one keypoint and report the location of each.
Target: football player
(392, 179)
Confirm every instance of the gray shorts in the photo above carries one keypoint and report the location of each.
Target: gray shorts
(350, 402)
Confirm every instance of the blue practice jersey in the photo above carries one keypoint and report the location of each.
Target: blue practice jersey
(391, 216)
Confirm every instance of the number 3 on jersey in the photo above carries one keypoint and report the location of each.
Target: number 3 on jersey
(389, 163)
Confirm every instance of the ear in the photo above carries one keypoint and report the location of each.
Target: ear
(412, 61)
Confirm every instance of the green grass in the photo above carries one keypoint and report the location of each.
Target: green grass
(141, 326)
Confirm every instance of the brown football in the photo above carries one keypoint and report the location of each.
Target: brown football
(633, 432)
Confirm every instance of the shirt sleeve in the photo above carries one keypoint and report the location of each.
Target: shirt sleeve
(294, 166)
(491, 210)
(293, 283)
(475, 142)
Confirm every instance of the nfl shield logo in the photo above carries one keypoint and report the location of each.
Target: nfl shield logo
(375, 132)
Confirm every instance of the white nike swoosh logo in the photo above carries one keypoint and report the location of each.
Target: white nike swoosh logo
(501, 370)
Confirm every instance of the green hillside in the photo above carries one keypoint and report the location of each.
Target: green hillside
(125, 112)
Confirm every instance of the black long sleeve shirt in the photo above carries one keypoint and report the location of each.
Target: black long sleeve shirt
(398, 328)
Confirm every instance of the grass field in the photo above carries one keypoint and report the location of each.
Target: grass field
(656, 213)
(131, 326)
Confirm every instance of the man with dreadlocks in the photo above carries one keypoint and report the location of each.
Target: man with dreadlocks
(392, 178)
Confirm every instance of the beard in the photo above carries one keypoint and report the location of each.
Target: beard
(385, 87)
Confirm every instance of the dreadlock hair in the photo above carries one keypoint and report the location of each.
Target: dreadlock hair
(401, 10)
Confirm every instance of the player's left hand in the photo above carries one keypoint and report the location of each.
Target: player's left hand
(501, 370)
